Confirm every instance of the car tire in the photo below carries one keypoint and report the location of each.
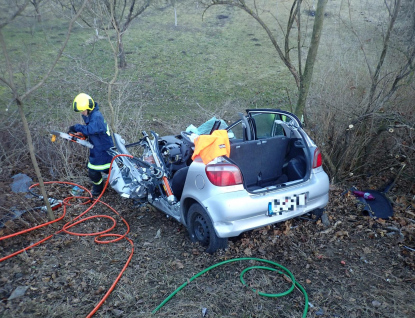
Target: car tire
(201, 229)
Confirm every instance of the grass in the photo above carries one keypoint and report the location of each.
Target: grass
(171, 69)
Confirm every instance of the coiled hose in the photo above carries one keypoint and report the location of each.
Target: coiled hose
(275, 268)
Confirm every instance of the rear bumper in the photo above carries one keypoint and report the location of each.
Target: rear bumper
(235, 212)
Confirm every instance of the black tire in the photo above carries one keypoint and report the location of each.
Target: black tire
(201, 229)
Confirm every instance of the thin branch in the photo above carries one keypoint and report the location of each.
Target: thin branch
(58, 56)
(16, 14)
(300, 71)
(114, 78)
(241, 5)
(383, 54)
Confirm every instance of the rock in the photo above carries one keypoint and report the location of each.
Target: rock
(325, 219)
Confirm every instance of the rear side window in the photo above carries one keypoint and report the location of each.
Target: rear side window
(236, 132)
(266, 126)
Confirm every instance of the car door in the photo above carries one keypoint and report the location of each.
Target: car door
(261, 124)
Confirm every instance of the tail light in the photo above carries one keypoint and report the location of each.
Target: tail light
(224, 174)
(317, 159)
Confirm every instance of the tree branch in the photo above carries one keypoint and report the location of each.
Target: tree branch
(383, 54)
(58, 56)
(13, 16)
(241, 5)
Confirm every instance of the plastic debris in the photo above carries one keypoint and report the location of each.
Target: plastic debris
(366, 195)
(192, 129)
(320, 312)
(18, 292)
(204, 312)
(206, 127)
(77, 191)
(21, 183)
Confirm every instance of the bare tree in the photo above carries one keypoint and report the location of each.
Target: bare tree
(122, 15)
(302, 76)
(19, 97)
(36, 5)
(353, 137)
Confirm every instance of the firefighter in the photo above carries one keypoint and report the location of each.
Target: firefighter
(97, 130)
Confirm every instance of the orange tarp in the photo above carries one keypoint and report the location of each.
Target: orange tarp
(208, 147)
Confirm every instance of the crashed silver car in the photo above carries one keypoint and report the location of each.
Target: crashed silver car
(271, 172)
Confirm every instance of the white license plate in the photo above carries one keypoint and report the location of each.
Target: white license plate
(287, 203)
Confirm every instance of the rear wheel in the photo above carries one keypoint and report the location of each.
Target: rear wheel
(201, 229)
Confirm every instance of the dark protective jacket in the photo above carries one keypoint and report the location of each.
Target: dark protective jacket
(97, 130)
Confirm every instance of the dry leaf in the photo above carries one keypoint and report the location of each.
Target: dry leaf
(341, 234)
(248, 251)
(401, 200)
(100, 290)
(411, 213)
(381, 221)
(277, 232)
(367, 250)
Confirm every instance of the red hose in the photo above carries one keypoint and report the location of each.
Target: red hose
(77, 220)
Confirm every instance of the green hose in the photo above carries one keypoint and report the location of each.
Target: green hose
(284, 271)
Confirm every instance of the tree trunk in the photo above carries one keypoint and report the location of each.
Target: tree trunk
(311, 58)
(51, 216)
(121, 54)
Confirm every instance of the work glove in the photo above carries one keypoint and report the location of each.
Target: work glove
(72, 129)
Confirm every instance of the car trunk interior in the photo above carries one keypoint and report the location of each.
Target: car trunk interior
(270, 162)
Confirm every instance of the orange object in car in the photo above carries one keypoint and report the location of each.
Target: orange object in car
(209, 147)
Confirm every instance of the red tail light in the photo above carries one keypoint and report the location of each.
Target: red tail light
(317, 159)
(223, 175)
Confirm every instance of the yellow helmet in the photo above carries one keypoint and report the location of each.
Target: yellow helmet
(83, 102)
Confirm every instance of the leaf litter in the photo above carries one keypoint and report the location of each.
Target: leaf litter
(356, 266)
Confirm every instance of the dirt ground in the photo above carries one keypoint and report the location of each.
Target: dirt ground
(357, 266)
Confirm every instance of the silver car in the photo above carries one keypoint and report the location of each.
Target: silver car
(273, 172)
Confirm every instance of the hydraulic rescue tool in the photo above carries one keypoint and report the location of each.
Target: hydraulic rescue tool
(75, 137)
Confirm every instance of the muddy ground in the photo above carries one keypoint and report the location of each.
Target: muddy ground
(358, 266)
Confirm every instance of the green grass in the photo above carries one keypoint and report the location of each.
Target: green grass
(174, 71)
(211, 62)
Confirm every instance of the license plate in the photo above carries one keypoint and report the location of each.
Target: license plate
(289, 203)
